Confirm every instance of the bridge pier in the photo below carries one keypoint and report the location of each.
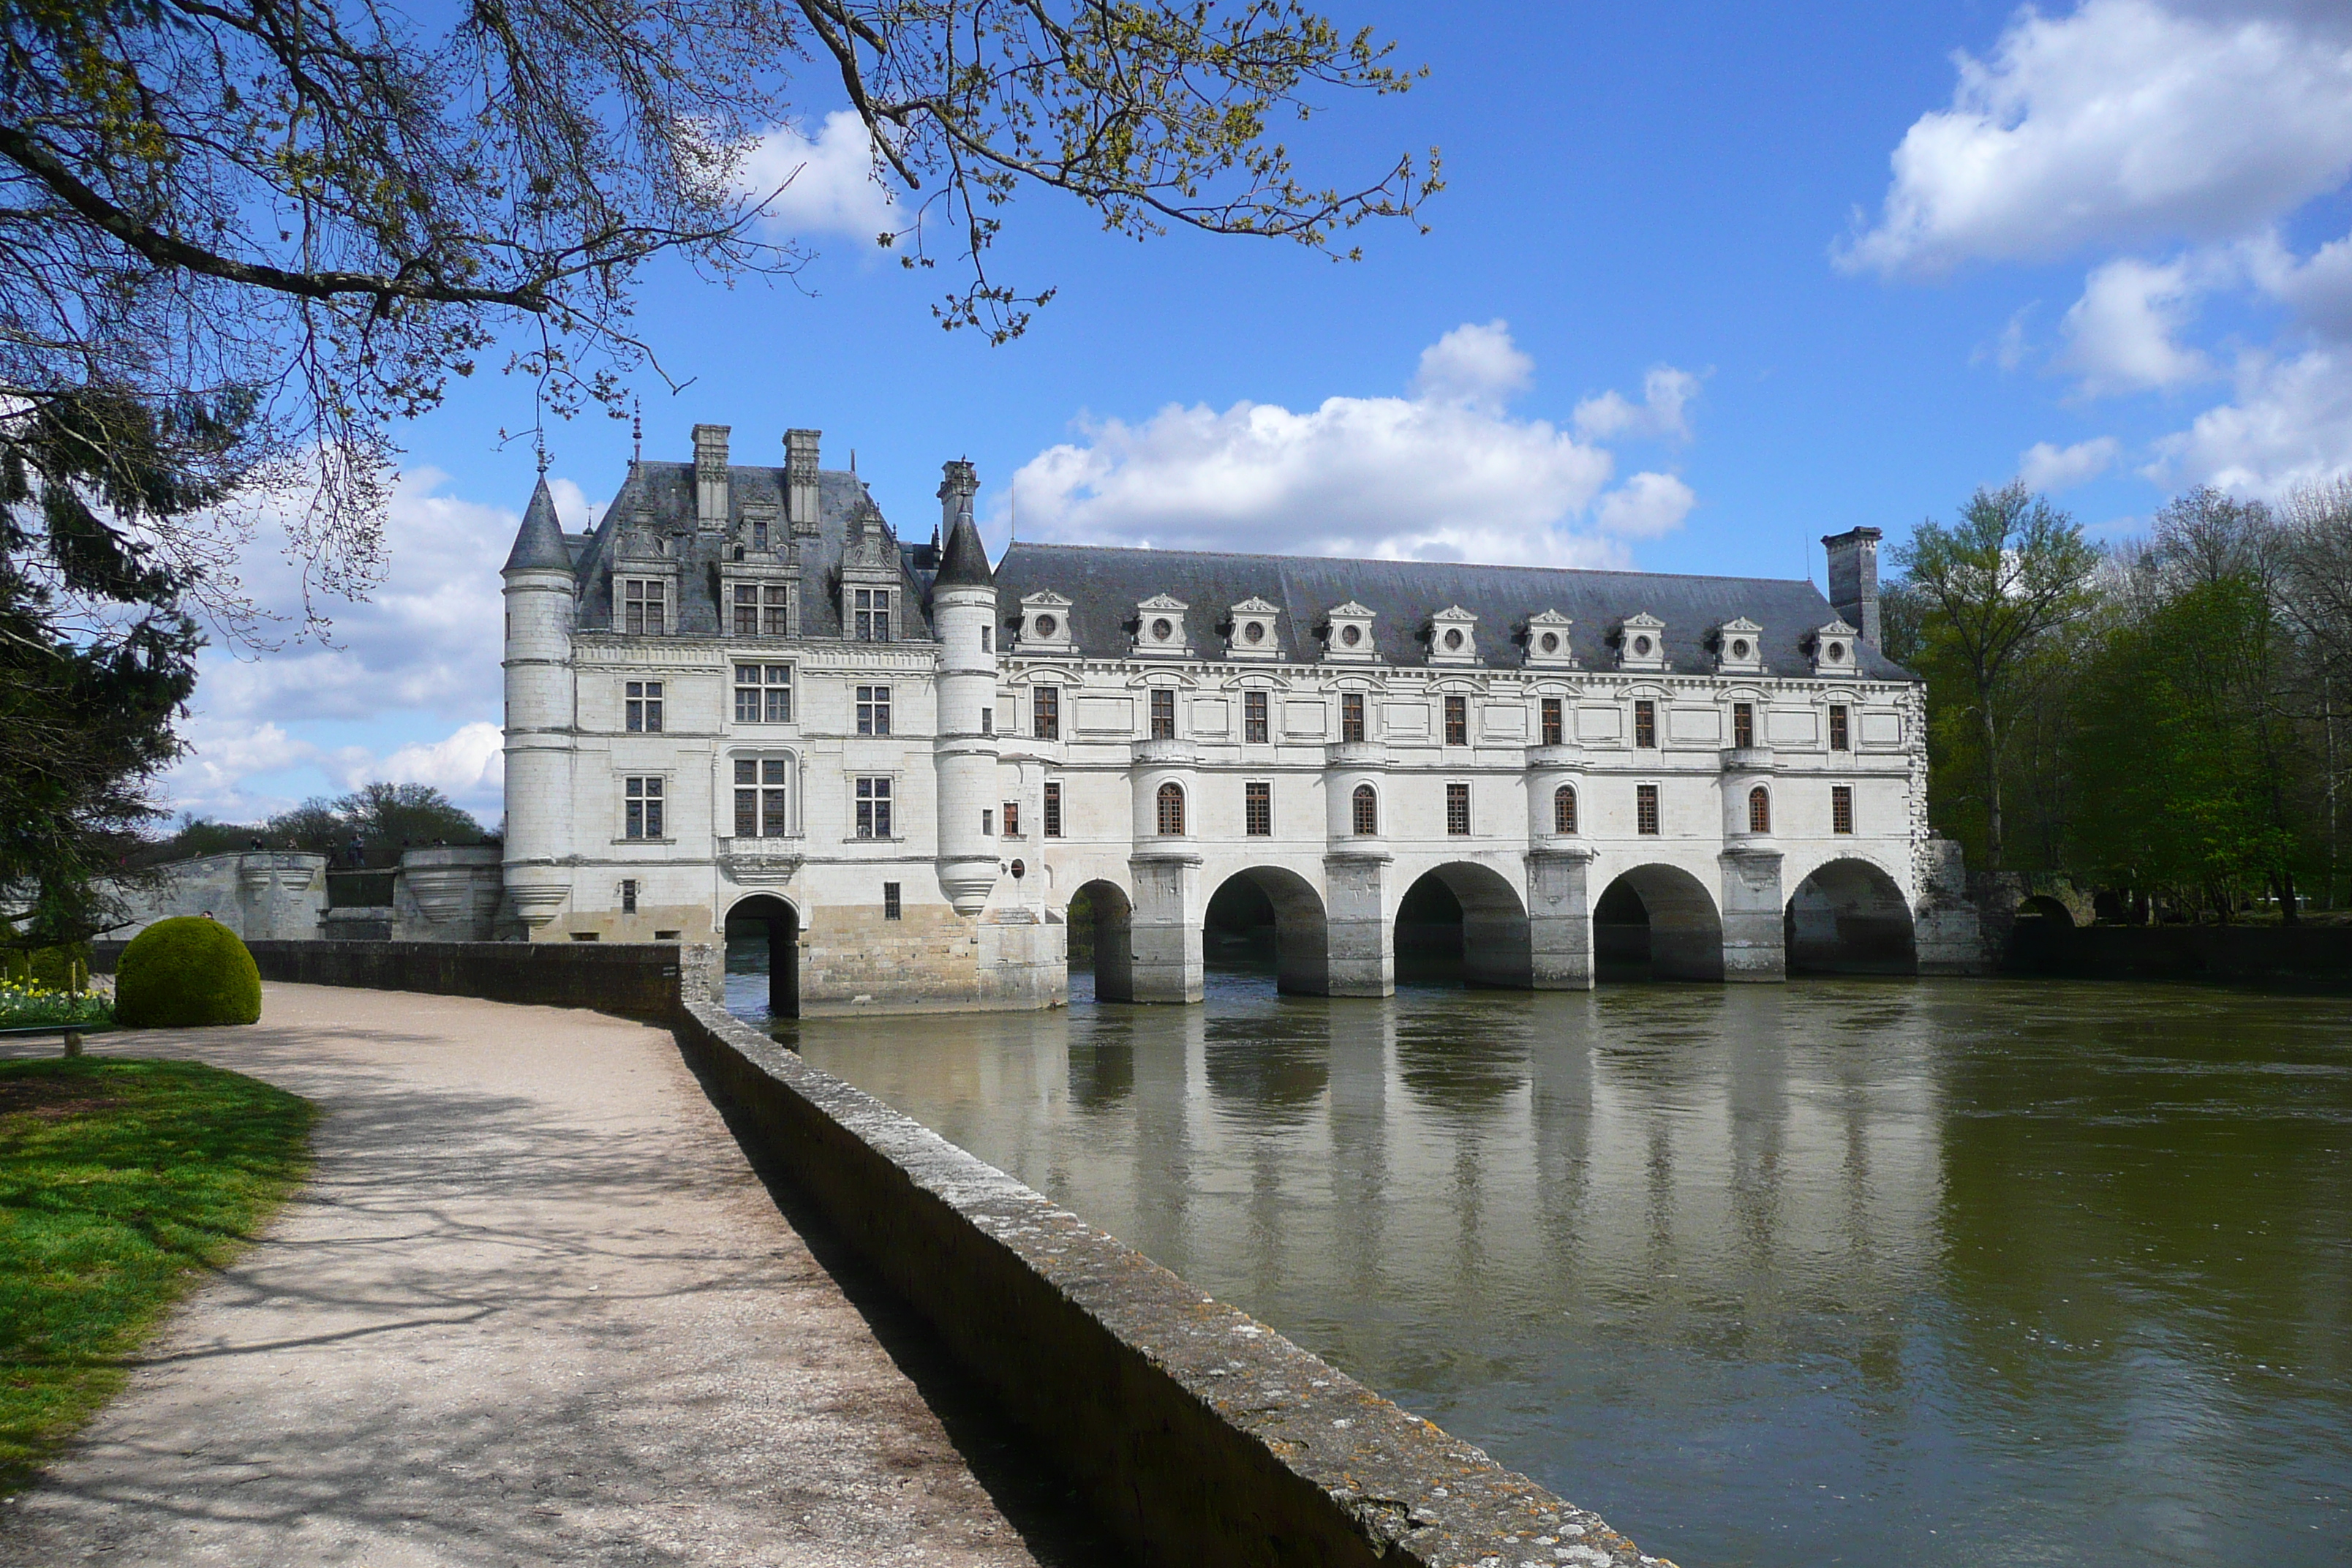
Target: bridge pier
(1753, 910)
(1362, 942)
(1560, 919)
(1165, 927)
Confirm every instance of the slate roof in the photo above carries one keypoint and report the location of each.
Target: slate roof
(1104, 587)
(539, 541)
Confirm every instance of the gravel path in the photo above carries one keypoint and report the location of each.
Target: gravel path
(533, 1307)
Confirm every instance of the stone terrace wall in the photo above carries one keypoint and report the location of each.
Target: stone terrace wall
(634, 980)
(1201, 1436)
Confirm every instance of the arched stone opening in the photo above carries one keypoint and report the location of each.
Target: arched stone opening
(1657, 922)
(2044, 907)
(763, 958)
(1849, 917)
(1269, 919)
(1102, 939)
(1464, 923)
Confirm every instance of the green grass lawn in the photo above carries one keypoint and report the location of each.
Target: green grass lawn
(121, 1185)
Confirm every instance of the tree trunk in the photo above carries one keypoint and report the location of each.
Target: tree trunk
(2288, 913)
(1992, 784)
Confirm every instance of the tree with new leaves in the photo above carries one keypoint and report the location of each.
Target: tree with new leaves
(1989, 590)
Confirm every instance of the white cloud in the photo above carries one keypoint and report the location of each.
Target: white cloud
(2290, 424)
(1666, 393)
(2124, 122)
(2121, 332)
(2045, 466)
(1444, 475)
(828, 186)
(1645, 506)
(468, 766)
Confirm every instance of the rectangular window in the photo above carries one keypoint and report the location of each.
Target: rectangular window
(890, 900)
(1840, 808)
(873, 709)
(643, 700)
(641, 807)
(762, 790)
(1053, 811)
(775, 611)
(763, 693)
(987, 822)
(1645, 809)
(987, 638)
(759, 534)
(1163, 714)
(747, 609)
(1551, 725)
(1352, 716)
(873, 808)
(1257, 810)
(1458, 720)
(645, 606)
(988, 721)
(1645, 724)
(1011, 819)
(1254, 720)
(1458, 810)
(870, 615)
(1743, 724)
(628, 897)
(1045, 712)
(1838, 741)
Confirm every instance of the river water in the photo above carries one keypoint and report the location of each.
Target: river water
(1840, 1271)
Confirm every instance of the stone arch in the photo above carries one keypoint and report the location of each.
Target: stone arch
(748, 919)
(1496, 945)
(1110, 915)
(1848, 917)
(1302, 940)
(1657, 922)
(2046, 907)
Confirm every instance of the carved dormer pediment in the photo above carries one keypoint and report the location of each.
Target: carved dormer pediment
(1045, 624)
(1740, 647)
(1160, 628)
(1347, 635)
(1547, 644)
(1454, 637)
(1254, 630)
(1833, 648)
(1641, 639)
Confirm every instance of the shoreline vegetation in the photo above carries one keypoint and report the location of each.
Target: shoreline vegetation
(123, 1183)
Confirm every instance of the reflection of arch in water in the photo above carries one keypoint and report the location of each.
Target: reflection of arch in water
(763, 936)
(1657, 922)
(1301, 937)
(1466, 914)
(1849, 917)
(1108, 914)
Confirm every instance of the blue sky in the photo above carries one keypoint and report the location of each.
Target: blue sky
(1708, 282)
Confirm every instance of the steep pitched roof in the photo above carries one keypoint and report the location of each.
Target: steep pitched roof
(539, 541)
(963, 563)
(1106, 585)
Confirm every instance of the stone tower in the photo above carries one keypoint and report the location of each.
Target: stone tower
(963, 615)
(538, 664)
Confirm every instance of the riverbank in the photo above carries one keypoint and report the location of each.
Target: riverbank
(534, 1305)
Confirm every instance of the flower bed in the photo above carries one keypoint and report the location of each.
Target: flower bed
(27, 1004)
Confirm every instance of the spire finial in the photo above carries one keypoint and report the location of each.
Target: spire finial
(540, 442)
(636, 431)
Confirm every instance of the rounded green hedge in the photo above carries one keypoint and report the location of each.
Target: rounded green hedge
(182, 972)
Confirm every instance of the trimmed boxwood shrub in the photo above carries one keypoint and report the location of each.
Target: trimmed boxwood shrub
(182, 972)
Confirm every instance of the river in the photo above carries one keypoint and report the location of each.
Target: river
(1874, 1272)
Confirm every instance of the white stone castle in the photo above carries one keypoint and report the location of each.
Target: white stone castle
(742, 700)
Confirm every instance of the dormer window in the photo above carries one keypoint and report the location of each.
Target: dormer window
(759, 534)
(1159, 626)
(1044, 624)
(1454, 637)
(1347, 635)
(645, 606)
(762, 609)
(1740, 647)
(1252, 633)
(1641, 642)
(1834, 649)
(1547, 641)
(870, 614)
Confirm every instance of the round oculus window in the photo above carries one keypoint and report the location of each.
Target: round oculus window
(1739, 649)
(1641, 648)
(1254, 632)
(1454, 637)
(1163, 629)
(1351, 636)
(1047, 625)
(1019, 870)
(1551, 642)
(1837, 651)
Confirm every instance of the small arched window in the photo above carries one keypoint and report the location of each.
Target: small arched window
(1760, 810)
(1172, 811)
(1563, 809)
(1367, 812)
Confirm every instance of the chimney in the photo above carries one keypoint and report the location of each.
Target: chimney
(1853, 579)
(800, 479)
(711, 477)
(958, 482)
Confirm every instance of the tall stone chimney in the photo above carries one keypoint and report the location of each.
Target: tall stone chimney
(1853, 579)
(800, 479)
(711, 477)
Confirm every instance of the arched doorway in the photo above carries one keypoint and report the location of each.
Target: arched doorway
(1849, 917)
(1464, 923)
(1102, 939)
(763, 959)
(1267, 919)
(1656, 923)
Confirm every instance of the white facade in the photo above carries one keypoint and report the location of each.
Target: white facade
(960, 748)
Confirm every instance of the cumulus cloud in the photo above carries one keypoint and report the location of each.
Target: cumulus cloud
(1447, 474)
(2045, 466)
(2121, 334)
(468, 766)
(1666, 393)
(2289, 424)
(2123, 122)
(825, 185)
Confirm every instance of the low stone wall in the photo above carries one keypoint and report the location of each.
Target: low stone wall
(2305, 956)
(634, 980)
(1199, 1435)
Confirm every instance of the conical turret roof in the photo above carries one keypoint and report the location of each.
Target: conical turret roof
(539, 541)
(964, 563)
